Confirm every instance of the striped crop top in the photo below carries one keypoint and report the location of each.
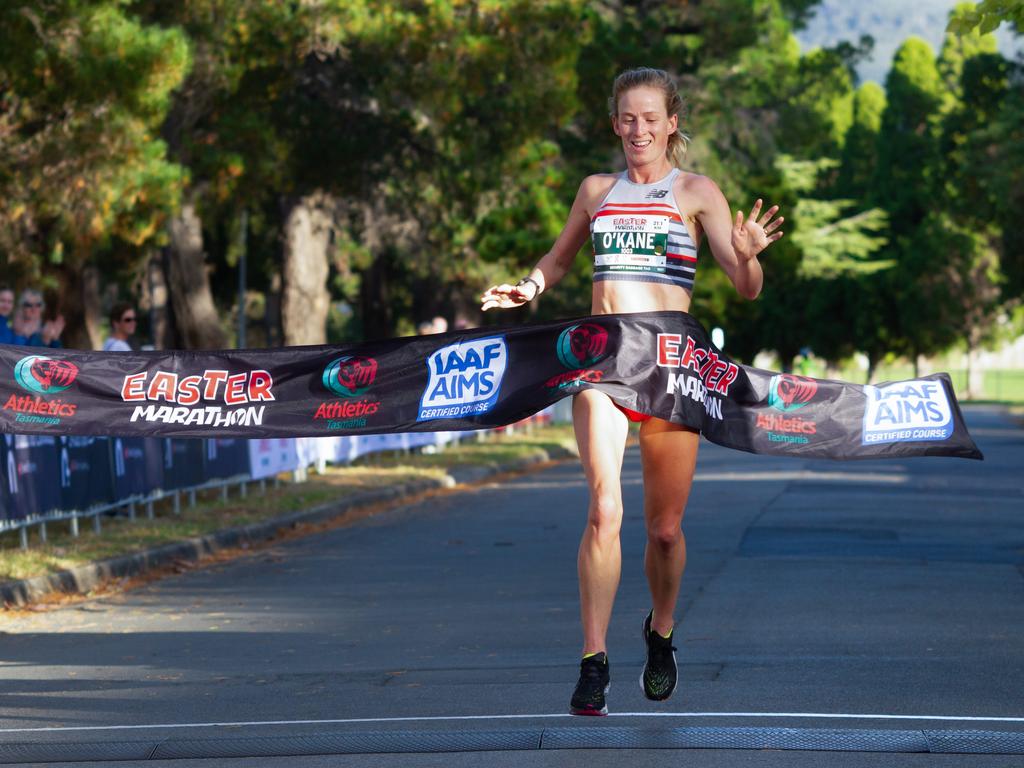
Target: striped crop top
(639, 234)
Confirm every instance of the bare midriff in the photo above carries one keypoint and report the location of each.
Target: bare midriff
(622, 296)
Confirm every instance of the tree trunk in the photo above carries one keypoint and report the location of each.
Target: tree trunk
(304, 296)
(92, 307)
(195, 315)
(272, 311)
(80, 306)
(161, 329)
(375, 304)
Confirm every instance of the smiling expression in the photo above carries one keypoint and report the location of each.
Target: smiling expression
(644, 125)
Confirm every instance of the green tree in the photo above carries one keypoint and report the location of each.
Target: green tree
(980, 79)
(908, 182)
(833, 237)
(83, 90)
(477, 90)
(985, 16)
(222, 128)
(858, 168)
(907, 173)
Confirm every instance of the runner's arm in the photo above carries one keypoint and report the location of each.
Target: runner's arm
(554, 264)
(736, 243)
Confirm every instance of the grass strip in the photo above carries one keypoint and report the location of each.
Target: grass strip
(122, 536)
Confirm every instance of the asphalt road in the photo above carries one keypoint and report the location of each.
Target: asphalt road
(817, 593)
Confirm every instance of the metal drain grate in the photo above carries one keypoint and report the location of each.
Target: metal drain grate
(597, 736)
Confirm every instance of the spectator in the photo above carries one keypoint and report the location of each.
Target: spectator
(440, 324)
(425, 328)
(122, 325)
(6, 307)
(29, 328)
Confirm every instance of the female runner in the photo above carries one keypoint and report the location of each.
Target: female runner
(645, 109)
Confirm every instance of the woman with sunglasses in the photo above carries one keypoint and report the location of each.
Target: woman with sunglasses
(122, 325)
(29, 328)
(673, 210)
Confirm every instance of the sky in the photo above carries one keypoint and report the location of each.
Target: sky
(889, 22)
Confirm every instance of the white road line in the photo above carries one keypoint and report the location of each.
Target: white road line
(450, 718)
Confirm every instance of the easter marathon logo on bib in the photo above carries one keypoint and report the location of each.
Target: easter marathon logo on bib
(631, 243)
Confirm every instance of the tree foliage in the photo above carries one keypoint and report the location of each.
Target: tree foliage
(442, 143)
(84, 88)
(985, 16)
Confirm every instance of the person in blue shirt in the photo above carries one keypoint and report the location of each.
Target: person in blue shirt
(6, 307)
(29, 328)
(122, 325)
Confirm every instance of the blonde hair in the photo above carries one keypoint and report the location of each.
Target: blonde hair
(648, 77)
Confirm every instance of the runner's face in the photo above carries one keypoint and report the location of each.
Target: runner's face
(643, 125)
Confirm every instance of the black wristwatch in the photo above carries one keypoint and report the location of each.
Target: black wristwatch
(536, 286)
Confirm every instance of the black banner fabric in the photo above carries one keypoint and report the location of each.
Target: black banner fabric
(85, 477)
(659, 363)
(33, 466)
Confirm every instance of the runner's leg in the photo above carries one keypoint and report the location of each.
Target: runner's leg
(669, 455)
(601, 435)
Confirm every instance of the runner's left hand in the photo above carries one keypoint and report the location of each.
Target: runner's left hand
(752, 235)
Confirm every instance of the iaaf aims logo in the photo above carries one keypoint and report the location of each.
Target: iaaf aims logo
(465, 378)
(350, 378)
(907, 411)
(211, 386)
(580, 346)
(42, 376)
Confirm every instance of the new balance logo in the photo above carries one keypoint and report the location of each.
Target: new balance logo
(656, 194)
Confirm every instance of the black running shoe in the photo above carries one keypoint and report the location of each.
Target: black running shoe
(588, 698)
(659, 676)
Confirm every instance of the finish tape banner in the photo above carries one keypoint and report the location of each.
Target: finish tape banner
(658, 363)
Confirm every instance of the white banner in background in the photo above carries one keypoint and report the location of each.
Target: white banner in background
(268, 457)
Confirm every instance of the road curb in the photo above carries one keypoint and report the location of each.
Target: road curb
(85, 578)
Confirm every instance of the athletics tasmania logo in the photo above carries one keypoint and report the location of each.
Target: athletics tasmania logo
(579, 347)
(787, 392)
(42, 376)
(349, 378)
(582, 345)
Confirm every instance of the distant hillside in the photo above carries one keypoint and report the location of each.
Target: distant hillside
(889, 22)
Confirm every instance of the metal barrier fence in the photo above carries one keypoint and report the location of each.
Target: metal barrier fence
(67, 479)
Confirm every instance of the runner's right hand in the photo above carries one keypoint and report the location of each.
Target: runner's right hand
(503, 296)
